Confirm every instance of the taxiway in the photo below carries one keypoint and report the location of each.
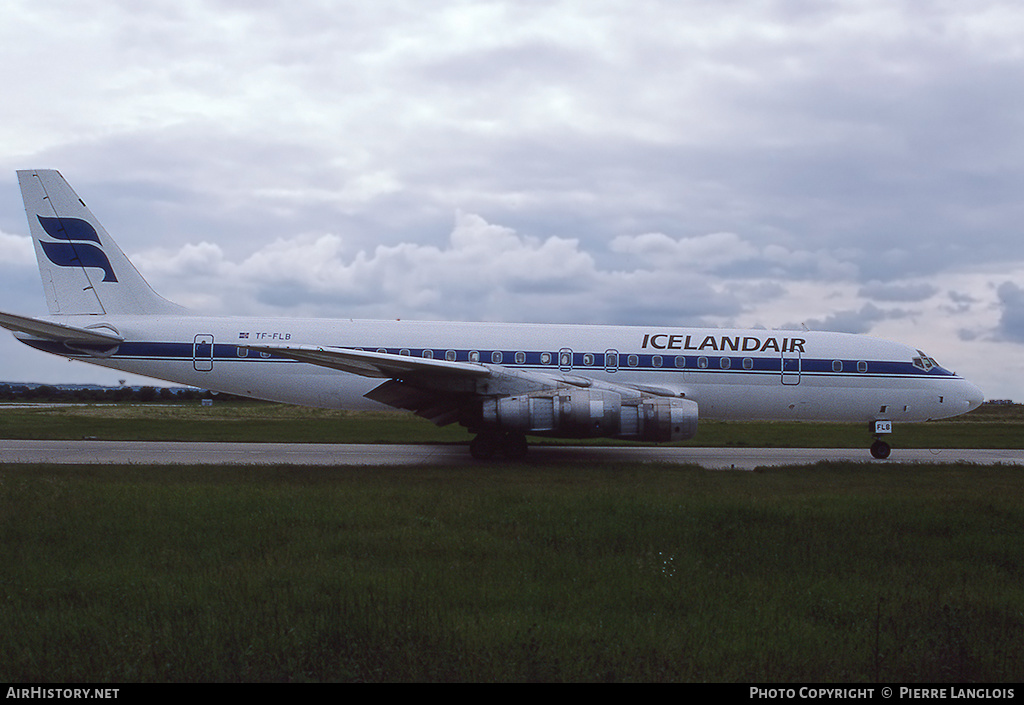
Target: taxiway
(89, 452)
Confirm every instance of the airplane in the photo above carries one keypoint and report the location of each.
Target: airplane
(502, 381)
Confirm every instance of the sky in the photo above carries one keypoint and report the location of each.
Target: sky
(855, 166)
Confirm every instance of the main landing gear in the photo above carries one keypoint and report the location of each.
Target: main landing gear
(488, 443)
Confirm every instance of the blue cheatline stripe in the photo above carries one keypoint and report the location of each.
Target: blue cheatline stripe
(534, 359)
(646, 362)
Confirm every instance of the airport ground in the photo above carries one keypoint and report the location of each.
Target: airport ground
(990, 426)
(591, 571)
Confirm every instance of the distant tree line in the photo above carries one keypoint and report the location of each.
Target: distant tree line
(50, 393)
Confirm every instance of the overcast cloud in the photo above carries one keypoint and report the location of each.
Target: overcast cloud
(849, 166)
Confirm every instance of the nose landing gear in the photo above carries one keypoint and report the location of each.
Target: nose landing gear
(880, 449)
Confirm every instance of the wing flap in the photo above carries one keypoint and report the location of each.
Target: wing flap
(440, 408)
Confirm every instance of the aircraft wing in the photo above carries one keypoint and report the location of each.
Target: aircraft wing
(434, 389)
(60, 332)
(373, 364)
(439, 389)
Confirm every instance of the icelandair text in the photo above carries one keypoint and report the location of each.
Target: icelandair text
(722, 343)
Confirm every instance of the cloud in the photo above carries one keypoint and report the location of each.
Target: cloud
(484, 271)
(861, 320)
(658, 162)
(961, 302)
(701, 253)
(898, 291)
(1011, 320)
(16, 250)
(731, 255)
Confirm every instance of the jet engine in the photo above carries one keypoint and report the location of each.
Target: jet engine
(592, 413)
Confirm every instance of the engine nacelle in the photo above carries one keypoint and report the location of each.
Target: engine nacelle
(593, 413)
(664, 419)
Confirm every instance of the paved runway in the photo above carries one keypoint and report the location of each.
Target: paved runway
(172, 453)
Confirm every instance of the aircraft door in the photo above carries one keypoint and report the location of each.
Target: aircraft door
(202, 352)
(791, 365)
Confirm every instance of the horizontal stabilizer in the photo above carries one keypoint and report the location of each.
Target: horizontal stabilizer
(60, 332)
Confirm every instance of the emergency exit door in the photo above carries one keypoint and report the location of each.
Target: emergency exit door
(202, 352)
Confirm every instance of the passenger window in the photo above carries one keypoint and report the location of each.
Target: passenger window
(428, 354)
(450, 356)
(680, 361)
(588, 359)
(748, 363)
(657, 361)
(243, 352)
(404, 351)
(837, 365)
(545, 358)
(496, 357)
(633, 360)
(474, 356)
(520, 358)
(725, 363)
(702, 363)
(862, 366)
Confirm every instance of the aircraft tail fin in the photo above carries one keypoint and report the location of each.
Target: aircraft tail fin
(82, 268)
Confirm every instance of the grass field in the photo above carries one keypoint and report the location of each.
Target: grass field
(512, 573)
(506, 572)
(986, 427)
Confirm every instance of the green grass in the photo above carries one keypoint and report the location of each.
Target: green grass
(987, 427)
(512, 573)
(227, 422)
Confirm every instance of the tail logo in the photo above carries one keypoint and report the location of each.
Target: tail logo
(75, 251)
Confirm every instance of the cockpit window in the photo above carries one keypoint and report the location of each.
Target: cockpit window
(923, 362)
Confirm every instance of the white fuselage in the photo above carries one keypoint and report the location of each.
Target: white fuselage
(730, 374)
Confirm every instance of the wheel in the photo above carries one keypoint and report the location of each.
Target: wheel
(880, 450)
(484, 446)
(514, 446)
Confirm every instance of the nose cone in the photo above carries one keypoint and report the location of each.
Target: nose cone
(972, 396)
(958, 397)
